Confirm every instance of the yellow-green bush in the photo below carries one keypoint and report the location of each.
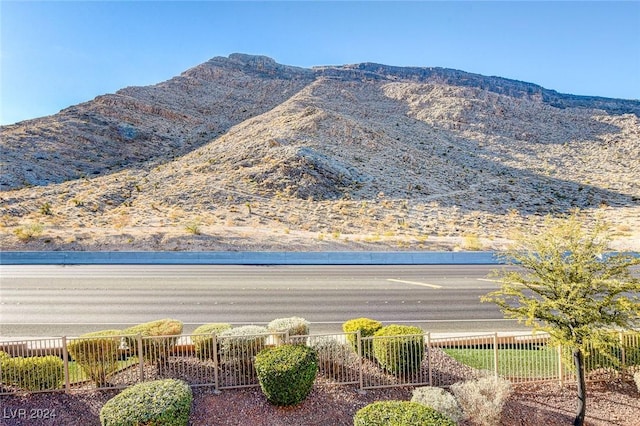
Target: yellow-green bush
(203, 339)
(36, 373)
(158, 403)
(367, 328)
(97, 354)
(400, 413)
(159, 337)
(399, 349)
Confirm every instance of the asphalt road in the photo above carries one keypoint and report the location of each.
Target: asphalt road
(70, 300)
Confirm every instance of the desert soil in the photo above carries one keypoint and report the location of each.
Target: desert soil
(609, 403)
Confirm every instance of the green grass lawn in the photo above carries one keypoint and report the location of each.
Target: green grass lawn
(525, 363)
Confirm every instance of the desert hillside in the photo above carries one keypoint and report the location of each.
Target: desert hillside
(242, 153)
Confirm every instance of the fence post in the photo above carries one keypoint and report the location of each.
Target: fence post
(560, 366)
(623, 355)
(216, 384)
(360, 372)
(495, 354)
(140, 358)
(429, 358)
(65, 358)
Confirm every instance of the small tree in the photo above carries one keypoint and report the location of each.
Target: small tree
(568, 286)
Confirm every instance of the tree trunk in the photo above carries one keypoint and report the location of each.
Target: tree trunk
(578, 360)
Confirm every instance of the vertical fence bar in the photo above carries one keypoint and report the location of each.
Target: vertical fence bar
(360, 360)
(495, 354)
(560, 366)
(216, 378)
(429, 359)
(623, 355)
(140, 358)
(65, 360)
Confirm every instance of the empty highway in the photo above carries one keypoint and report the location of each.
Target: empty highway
(54, 300)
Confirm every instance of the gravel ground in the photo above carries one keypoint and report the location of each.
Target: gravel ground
(609, 403)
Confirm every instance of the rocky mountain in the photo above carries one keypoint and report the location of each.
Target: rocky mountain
(238, 149)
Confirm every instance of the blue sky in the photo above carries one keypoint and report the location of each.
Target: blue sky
(57, 54)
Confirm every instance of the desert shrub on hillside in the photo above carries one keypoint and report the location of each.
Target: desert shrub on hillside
(26, 232)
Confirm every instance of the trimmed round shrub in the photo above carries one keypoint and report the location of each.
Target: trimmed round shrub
(400, 413)
(440, 400)
(399, 349)
(203, 339)
(286, 373)
(368, 328)
(36, 373)
(294, 326)
(483, 399)
(159, 403)
(242, 343)
(159, 337)
(97, 354)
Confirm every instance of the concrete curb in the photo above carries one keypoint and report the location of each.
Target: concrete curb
(247, 258)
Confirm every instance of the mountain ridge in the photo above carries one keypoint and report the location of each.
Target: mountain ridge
(500, 85)
(375, 155)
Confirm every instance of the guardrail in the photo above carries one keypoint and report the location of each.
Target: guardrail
(226, 362)
(247, 258)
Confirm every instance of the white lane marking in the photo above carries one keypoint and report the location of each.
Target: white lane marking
(489, 280)
(415, 283)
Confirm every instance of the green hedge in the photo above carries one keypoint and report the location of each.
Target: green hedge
(97, 354)
(36, 373)
(396, 353)
(286, 373)
(368, 328)
(159, 403)
(203, 339)
(400, 413)
(154, 348)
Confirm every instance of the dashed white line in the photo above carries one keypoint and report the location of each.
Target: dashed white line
(414, 283)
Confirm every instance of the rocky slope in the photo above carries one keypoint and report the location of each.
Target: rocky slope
(245, 153)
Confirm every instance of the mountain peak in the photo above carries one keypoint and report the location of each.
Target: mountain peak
(361, 148)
